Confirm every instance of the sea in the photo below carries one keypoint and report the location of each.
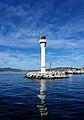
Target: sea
(33, 99)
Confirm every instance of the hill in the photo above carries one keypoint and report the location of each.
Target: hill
(11, 69)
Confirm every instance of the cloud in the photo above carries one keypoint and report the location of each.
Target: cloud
(74, 60)
(18, 60)
(66, 44)
(22, 24)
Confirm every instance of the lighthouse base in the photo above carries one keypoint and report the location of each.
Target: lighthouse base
(43, 70)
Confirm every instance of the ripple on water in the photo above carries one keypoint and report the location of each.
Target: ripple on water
(63, 98)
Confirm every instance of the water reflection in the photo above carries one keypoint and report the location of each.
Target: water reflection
(42, 107)
(70, 75)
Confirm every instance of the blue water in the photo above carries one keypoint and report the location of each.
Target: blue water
(26, 99)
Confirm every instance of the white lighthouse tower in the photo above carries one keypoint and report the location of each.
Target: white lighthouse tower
(43, 42)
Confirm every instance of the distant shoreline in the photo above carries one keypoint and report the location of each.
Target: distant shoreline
(50, 69)
(11, 70)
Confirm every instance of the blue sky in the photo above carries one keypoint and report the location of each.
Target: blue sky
(22, 22)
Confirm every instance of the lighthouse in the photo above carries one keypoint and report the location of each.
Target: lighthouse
(43, 74)
(43, 42)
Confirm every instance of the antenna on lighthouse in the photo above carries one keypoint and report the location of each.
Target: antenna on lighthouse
(50, 65)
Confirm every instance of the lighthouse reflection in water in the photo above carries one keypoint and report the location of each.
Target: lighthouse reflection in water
(42, 107)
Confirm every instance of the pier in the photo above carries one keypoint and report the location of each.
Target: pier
(47, 75)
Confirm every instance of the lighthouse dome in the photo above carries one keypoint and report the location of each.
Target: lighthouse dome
(43, 37)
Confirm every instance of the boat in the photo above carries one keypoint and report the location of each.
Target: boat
(73, 71)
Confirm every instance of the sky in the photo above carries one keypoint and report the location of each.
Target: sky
(23, 22)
